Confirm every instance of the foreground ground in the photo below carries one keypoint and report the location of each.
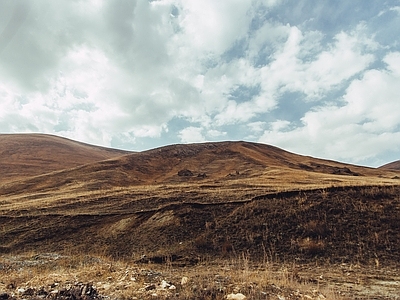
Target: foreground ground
(53, 276)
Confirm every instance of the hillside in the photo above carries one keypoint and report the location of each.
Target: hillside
(26, 155)
(206, 162)
(184, 205)
(392, 166)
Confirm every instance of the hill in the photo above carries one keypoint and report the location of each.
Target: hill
(188, 204)
(182, 199)
(26, 155)
(194, 164)
(392, 166)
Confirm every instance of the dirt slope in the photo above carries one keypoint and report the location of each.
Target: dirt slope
(25, 155)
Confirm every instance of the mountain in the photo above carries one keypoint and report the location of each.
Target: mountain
(26, 155)
(392, 166)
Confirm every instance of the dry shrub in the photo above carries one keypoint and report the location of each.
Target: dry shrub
(202, 243)
(315, 228)
(311, 246)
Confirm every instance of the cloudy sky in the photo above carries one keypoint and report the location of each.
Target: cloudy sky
(319, 78)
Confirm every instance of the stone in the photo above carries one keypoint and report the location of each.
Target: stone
(238, 296)
(184, 280)
(164, 284)
(185, 172)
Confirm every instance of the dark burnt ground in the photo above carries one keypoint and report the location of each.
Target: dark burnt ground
(353, 224)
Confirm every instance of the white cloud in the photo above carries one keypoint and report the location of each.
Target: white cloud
(212, 133)
(101, 71)
(191, 135)
(366, 124)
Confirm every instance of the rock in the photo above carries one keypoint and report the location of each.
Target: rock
(172, 287)
(184, 280)
(164, 284)
(238, 296)
(185, 172)
(150, 287)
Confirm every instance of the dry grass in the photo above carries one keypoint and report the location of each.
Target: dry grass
(124, 280)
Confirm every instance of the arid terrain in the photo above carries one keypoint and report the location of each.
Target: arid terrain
(199, 221)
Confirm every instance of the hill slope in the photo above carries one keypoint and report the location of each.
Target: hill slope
(392, 166)
(188, 201)
(206, 162)
(25, 155)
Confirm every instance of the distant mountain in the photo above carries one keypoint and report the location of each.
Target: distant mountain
(392, 166)
(25, 155)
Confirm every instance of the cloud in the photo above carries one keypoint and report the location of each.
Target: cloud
(366, 123)
(141, 73)
(191, 135)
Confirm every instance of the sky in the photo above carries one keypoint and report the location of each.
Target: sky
(317, 78)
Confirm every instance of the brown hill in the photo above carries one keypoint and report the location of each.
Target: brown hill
(183, 202)
(206, 162)
(26, 155)
(392, 166)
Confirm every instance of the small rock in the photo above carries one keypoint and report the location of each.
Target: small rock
(164, 284)
(185, 172)
(150, 287)
(4, 296)
(184, 280)
(238, 296)
(172, 287)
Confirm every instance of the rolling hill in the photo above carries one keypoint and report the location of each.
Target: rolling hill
(56, 162)
(190, 201)
(26, 155)
(392, 166)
